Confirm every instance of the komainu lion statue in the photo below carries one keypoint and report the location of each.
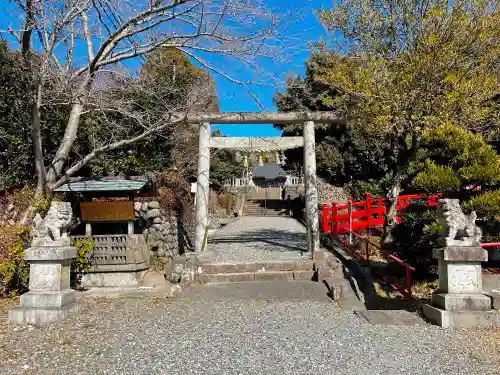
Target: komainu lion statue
(56, 223)
(457, 228)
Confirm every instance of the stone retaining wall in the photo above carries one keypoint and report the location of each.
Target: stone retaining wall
(8, 214)
(166, 234)
(159, 229)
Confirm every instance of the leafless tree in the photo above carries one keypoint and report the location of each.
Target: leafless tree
(113, 31)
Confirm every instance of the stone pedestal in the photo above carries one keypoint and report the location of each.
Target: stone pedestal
(50, 297)
(460, 301)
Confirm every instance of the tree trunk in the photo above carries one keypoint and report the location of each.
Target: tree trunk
(391, 210)
(28, 29)
(36, 134)
(56, 167)
(36, 139)
(395, 191)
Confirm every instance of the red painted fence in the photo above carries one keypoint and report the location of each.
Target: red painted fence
(344, 217)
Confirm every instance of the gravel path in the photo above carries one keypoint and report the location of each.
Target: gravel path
(157, 336)
(259, 239)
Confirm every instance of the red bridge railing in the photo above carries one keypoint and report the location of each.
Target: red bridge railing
(342, 217)
(346, 218)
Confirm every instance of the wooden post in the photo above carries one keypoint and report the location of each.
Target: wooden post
(349, 214)
(367, 249)
(368, 210)
(334, 219)
(323, 223)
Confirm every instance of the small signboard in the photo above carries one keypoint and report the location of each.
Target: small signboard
(193, 187)
(107, 211)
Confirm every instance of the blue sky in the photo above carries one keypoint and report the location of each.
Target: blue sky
(235, 98)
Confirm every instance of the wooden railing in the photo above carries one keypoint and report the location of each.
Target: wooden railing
(109, 249)
(342, 217)
(366, 242)
(343, 220)
(244, 182)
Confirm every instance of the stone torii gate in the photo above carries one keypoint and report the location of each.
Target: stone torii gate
(308, 119)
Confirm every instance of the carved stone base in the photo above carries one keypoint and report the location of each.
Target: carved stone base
(464, 318)
(50, 297)
(460, 269)
(460, 301)
(37, 316)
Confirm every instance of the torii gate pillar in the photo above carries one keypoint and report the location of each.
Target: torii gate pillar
(311, 193)
(202, 186)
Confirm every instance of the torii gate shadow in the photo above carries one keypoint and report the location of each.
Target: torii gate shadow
(278, 238)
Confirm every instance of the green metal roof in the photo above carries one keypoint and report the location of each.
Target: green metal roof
(103, 184)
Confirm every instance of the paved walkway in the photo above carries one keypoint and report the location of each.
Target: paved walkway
(280, 290)
(259, 239)
(215, 335)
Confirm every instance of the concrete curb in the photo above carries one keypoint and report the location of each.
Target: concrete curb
(360, 284)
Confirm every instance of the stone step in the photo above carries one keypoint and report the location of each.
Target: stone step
(255, 276)
(261, 276)
(270, 214)
(255, 267)
(495, 299)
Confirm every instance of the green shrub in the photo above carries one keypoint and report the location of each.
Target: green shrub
(434, 178)
(14, 270)
(84, 248)
(357, 189)
(83, 260)
(486, 205)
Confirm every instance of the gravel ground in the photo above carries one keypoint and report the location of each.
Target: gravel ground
(259, 239)
(158, 336)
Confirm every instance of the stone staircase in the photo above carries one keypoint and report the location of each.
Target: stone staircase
(253, 208)
(210, 273)
(264, 208)
(329, 273)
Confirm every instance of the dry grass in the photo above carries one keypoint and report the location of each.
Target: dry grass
(374, 250)
(8, 238)
(423, 289)
(383, 292)
(6, 304)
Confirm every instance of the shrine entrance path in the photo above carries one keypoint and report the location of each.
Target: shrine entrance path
(241, 328)
(154, 335)
(259, 239)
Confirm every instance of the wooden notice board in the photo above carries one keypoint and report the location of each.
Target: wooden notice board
(107, 211)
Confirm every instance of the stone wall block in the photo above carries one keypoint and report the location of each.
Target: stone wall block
(155, 212)
(137, 206)
(154, 204)
(160, 230)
